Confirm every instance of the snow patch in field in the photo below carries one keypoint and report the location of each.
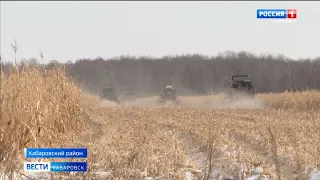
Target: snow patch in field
(315, 175)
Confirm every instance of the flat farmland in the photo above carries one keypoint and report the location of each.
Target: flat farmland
(275, 136)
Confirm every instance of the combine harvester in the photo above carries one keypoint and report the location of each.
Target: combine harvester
(241, 90)
(168, 94)
(109, 93)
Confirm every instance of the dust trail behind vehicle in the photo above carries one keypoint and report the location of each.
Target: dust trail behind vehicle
(210, 102)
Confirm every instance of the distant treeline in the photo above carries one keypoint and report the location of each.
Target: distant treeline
(194, 74)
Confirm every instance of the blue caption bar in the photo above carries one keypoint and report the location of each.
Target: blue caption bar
(56, 152)
(68, 166)
(271, 13)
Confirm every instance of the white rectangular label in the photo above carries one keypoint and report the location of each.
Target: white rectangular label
(37, 166)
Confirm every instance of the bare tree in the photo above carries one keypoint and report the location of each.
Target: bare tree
(15, 49)
(269, 73)
(195, 74)
(41, 55)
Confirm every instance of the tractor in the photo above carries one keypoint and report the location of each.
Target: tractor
(240, 87)
(109, 93)
(168, 94)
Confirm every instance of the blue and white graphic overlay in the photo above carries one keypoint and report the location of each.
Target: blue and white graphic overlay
(55, 166)
(56, 152)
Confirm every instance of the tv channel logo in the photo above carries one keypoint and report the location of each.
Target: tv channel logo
(37, 166)
(55, 166)
(276, 13)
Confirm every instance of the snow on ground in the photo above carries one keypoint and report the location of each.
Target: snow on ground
(315, 175)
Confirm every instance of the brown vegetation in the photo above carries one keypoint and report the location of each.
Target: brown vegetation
(299, 101)
(45, 109)
(37, 109)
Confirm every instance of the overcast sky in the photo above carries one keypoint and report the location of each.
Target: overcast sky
(71, 30)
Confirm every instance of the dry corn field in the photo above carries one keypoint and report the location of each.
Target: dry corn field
(204, 138)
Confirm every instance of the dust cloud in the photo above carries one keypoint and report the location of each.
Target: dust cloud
(196, 102)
